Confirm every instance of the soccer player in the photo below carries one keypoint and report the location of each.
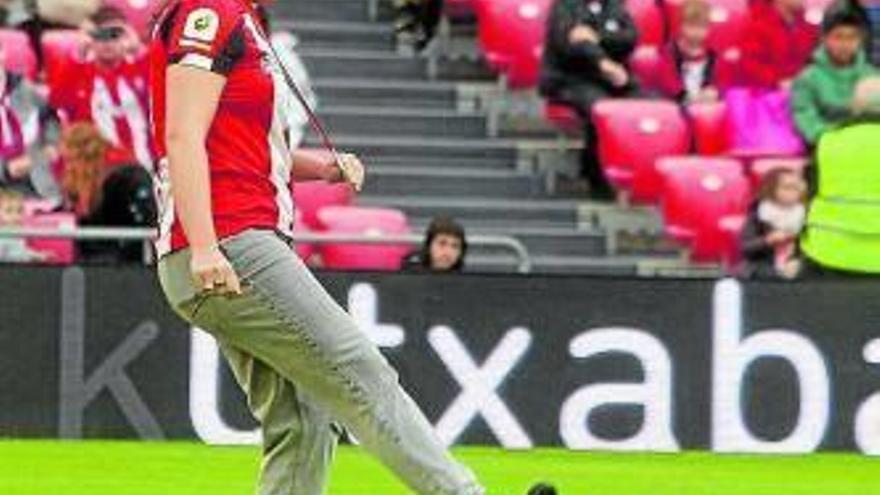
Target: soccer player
(227, 265)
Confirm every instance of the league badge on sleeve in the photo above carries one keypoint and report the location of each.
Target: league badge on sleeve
(202, 25)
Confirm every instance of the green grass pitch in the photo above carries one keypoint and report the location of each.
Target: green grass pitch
(133, 468)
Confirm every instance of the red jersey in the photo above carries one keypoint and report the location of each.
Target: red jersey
(113, 99)
(248, 151)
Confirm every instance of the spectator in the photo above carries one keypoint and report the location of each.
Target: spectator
(126, 200)
(37, 16)
(588, 44)
(14, 250)
(777, 44)
(687, 71)
(869, 11)
(769, 238)
(843, 229)
(83, 153)
(109, 88)
(444, 249)
(29, 132)
(822, 93)
(417, 20)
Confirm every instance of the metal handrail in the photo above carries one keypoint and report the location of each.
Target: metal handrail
(524, 260)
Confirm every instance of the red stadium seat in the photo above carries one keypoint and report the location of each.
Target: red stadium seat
(303, 249)
(633, 134)
(709, 127)
(18, 53)
(311, 197)
(57, 251)
(760, 167)
(644, 62)
(563, 117)
(139, 12)
(512, 38)
(369, 221)
(649, 19)
(699, 194)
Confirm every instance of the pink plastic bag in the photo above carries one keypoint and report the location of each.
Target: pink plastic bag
(760, 122)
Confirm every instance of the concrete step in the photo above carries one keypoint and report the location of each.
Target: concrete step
(389, 121)
(557, 265)
(322, 10)
(403, 93)
(341, 35)
(432, 162)
(557, 213)
(420, 147)
(362, 64)
(540, 240)
(458, 182)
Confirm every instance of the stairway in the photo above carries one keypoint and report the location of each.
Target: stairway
(427, 145)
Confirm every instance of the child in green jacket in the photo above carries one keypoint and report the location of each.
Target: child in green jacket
(822, 92)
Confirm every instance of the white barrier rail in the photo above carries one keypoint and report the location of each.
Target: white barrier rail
(523, 258)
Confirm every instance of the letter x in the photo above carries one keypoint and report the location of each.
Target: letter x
(479, 386)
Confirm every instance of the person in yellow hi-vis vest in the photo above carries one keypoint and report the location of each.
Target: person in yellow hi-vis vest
(843, 224)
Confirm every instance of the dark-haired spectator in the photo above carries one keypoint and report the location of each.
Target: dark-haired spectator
(777, 44)
(444, 249)
(126, 200)
(587, 47)
(417, 21)
(688, 66)
(869, 11)
(769, 238)
(108, 88)
(822, 93)
(843, 229)
(29, 134)
(38, 16)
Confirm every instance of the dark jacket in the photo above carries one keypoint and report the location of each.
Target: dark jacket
(574, 65)
(758, 256)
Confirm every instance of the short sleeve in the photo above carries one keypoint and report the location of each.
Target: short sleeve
(207, 35)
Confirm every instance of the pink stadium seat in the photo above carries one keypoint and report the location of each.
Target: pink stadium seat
(709, 127)
(731, 228)
(19, 55)
(58, 251)
(699, 194)
(140, 12)
(649, 19)
(563, 117)
(644, 62)
(633, 134)
(760, 167)
(369, 221)
(34, 207)
(512, 38)
(311, 197)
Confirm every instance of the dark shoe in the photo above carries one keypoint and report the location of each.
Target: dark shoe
(542, 489)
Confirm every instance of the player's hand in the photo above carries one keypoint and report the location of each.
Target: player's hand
(351, 170)
(212, 272)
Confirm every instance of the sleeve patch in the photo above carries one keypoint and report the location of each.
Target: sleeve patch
(202, 25)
